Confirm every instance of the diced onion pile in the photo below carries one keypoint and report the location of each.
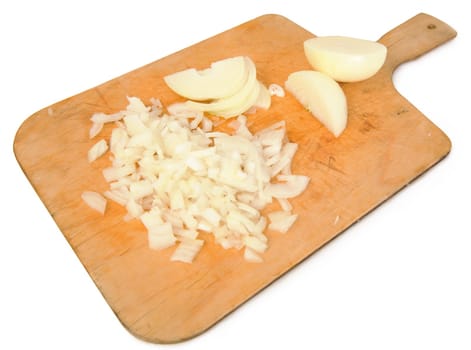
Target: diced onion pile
(179, 177)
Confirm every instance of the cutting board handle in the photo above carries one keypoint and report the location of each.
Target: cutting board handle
(413, 38)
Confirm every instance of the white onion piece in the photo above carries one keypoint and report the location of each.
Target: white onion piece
(260, 227)
(151, 218)
(95, 130)
(291, 186)
(173, 218)
(161, 236)
(251, 256)
(187, 250)
(255, 243)
(206, 125)
(134, 124)
(276, 90)
(119, 139)
(281, 221)
(285, 204)
(156, 105)
(95, 201)
(134, 209)
(211, 216)
(116, 197)
(141, 188)
(285, 158)
(186, 233)
(97, 150)
(101, 118)
(116, 173)
(136, 105)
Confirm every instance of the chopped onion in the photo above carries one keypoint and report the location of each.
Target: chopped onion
(178, 176)
(161, 236)
(101, 118)
(291, 186)
(116, 173)
(95, 201)
(115, 196)
(284, 158)
(255, 243)
(151, 218)
(118, 141)
(95, 130)
(187, 250)
(251, 256)
(97, 150)
(281, 221)
(141, 188)
(134, 124)
(285, 204)
(186, 233)
(136, 105)
(134, 209)
(211, 216)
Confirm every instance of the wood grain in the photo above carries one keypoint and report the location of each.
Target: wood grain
(387, 144)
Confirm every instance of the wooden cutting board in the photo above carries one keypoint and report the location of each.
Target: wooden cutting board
(386, 145)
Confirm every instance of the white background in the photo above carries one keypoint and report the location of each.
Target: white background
(399, 279)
